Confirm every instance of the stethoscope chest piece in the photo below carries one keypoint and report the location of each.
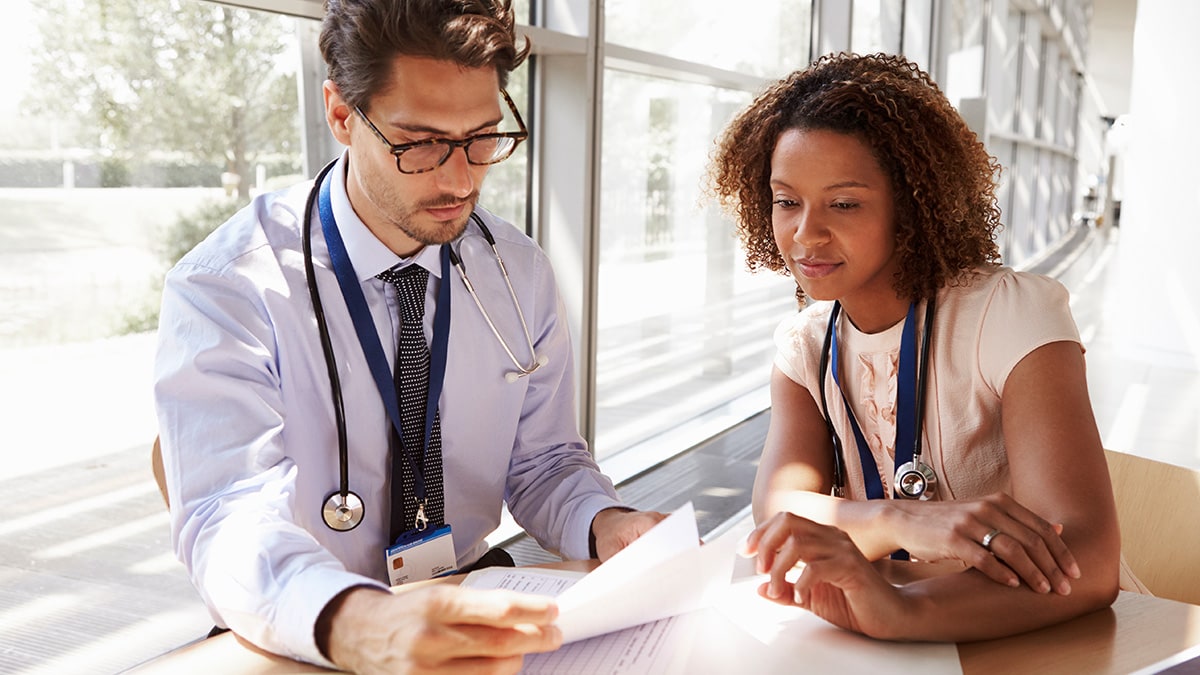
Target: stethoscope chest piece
(915, 479)
(342, 513)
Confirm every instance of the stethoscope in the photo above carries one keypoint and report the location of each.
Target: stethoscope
(343, 509)
(913, 478)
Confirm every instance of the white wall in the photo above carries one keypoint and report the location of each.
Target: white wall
(1158, 317)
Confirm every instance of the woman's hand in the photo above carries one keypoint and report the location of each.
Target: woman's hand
(1020, 545)
(837, 583)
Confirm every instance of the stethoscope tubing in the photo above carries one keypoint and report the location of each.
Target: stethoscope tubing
(335, 386)
(343, 510)
(456, 260)
(839, 476)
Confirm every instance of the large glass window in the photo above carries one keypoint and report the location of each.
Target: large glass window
(1030, 68)
(963, 34)
(683, 328)
(130, 128)
(1004, 91)
(505, 191)
(759, 37)
(918, 32)
(875, 26)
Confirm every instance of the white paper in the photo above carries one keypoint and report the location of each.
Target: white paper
(537, 581)
(656, 648)
(729, 630)
(663, 573)
(648, 649)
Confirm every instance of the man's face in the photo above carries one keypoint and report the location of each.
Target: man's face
(425, 99)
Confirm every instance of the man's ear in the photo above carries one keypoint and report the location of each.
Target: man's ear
(337, 112)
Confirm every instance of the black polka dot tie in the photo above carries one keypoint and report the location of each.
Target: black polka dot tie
(412, 389)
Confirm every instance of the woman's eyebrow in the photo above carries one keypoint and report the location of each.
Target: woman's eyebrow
(846, 184)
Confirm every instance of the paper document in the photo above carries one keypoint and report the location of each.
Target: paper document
(717, 623)
(533, 580)
(657, 648)
(663, 573)
(623, 616)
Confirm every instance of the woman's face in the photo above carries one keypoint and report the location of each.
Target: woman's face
(834, 221)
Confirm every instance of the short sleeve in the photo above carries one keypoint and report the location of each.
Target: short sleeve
(1024, 312)
(787, 355)
(798, 340)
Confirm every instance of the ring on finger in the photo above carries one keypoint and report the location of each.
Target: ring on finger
(989, 538)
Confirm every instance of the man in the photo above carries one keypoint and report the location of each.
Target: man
(290, 479)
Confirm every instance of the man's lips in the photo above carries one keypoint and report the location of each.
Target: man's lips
(446, 212)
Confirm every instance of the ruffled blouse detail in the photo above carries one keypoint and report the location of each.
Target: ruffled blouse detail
(879, 373)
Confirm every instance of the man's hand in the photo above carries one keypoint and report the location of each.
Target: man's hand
(616, 528)
(442, 628)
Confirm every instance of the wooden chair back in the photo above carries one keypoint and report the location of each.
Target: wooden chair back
(160, 475)
(1158, 506)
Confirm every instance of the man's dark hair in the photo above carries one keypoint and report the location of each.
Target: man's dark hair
(360, 39)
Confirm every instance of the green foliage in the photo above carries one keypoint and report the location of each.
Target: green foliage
(191, 228)
(114, 172)
(185, 76)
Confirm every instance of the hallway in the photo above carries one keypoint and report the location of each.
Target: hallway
(1146, 409)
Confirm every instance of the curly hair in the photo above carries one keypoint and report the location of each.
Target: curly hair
(943, 179)
(360, 38)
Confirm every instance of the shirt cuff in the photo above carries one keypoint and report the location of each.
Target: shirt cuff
(592, 531)
(575, 544)
(301, 604)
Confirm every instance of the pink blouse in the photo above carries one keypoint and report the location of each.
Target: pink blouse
(981, 331)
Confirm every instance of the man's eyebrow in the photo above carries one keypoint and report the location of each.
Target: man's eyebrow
(422, 129)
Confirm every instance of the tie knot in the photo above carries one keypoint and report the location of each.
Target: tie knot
(410, 285)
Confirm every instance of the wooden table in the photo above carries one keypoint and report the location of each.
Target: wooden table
(1135, 632)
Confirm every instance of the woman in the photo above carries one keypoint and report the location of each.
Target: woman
(934, 403)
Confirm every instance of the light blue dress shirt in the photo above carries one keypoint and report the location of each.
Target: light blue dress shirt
(248, 433)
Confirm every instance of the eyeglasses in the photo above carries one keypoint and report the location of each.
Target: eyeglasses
(481, 149)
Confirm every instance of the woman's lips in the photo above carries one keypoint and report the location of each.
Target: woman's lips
(815, 269)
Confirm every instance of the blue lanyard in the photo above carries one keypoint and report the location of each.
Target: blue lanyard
(906, 423)
(364, 325)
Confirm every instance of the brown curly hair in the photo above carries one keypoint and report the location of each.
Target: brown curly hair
(943, 178)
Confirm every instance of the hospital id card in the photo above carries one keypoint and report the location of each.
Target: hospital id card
(417, 556)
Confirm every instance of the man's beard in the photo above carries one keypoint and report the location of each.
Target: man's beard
(444, 232)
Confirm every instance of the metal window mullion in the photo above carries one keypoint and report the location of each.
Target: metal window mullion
(651, 64)
(306, 9)
(589, 340)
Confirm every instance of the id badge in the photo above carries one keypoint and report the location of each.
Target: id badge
(417, 556)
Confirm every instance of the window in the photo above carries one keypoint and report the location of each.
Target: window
(758, 37)
(683, 328)
(131, 128)
(963, 31)
(875, 26)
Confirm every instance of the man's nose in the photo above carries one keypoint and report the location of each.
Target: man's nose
(454, 175)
